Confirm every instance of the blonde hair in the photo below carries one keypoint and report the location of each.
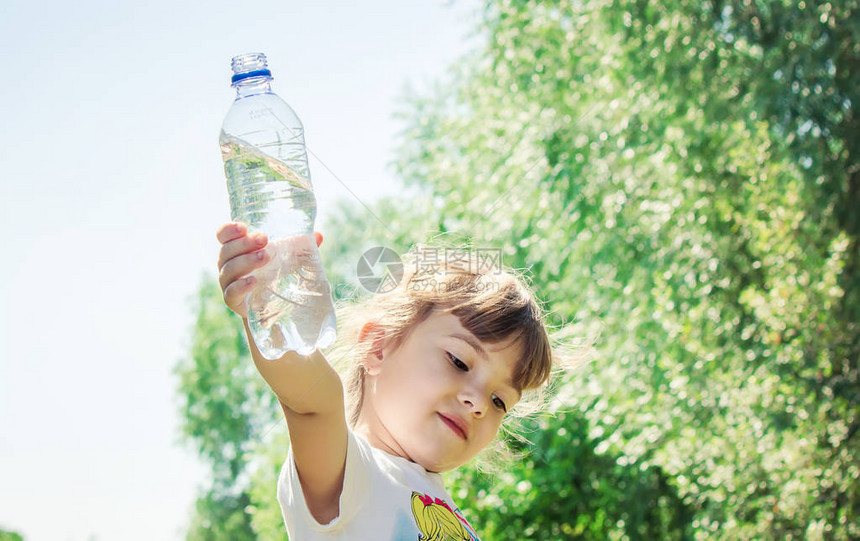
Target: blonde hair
(492, 302)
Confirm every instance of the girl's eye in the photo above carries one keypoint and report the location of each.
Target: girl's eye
(457, 362)
(499, 404)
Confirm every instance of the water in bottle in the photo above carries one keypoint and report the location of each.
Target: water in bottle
(268, 180)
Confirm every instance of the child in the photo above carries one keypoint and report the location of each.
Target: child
(437, 363)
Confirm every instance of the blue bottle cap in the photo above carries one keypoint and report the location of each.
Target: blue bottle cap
(249, 65)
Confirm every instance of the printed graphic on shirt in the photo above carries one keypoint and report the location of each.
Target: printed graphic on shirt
(436, 520)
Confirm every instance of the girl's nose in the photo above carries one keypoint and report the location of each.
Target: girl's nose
(476, 406)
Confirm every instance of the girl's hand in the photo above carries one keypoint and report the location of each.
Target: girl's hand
(240, 255)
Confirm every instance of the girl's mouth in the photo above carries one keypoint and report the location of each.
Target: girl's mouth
(454, 426)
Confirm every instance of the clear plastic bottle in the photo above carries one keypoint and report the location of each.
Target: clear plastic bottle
(266, 164)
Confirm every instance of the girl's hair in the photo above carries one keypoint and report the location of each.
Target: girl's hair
(491, 302)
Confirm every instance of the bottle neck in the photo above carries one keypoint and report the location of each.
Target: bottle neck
(253, 85)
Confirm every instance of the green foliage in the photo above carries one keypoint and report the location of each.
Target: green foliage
(686, 175)
(265, 511)
(10, 536)
(219, 517)
(565, 489)
(226, 410)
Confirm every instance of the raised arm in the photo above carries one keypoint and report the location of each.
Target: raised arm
(308, 388)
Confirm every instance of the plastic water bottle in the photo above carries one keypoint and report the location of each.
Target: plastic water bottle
(266, 164)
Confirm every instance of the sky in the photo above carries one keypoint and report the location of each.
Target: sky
(112, 190)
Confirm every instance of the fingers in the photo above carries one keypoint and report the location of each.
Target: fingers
(241, 265)
(230, 231)
(236, 230)
(234, 294)
(241, 254)
(244, 244)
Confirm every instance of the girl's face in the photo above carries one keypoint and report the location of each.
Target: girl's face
(439, 398)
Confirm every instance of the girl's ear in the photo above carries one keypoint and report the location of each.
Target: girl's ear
(373, 361)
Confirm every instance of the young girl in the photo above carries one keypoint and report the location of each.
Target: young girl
(437, 363)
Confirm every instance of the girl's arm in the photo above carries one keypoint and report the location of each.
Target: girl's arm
(308, 388)
(311, 396)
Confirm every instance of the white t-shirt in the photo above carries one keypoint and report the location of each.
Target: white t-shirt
(384, 498)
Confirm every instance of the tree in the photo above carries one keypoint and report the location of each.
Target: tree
(685, 174)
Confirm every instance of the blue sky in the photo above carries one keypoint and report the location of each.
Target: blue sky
(112, 189)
